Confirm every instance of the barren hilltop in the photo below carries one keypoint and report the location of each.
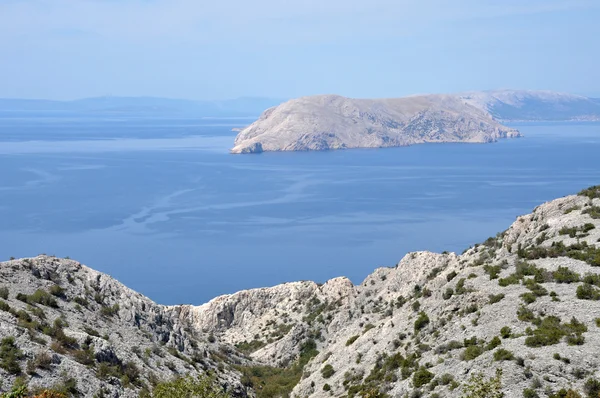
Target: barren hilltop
(518, 314)
(333, 122)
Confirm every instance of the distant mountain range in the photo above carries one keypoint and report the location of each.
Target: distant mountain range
(245, 106)
(503, 105)
(525, 105)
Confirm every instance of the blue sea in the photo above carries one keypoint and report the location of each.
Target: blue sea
(161, 205)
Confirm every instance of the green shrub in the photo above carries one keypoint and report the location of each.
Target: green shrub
(592, 387)
(327, 371)
(526, 315)
(326, 387)
(496, 298)
(536, 288)
(4, 306)
(421, 322)
(593, 211)
(446, 379)
(572, 232)
(250, 347)
(352, 340)
(550, 331)
(42, 360)
(470, 342)
(495, 342)
(448, 293)
(571, 209)
(190, 387)
(492, 270)
(274, 381)
(82, 301)
(368, 327)
(480, 387)
(592, 192)
(505, 332)
(592, 279)
(530, 393)
(575, 339)
(588, 292)
(4, 292)
(17, 391)
(598, 322)
(422, 377)
(57, 291)
(10, 355)
(451, 276)
(39, 297)
(110, 311)
(579, 251)
(509, 280)
(528, 298)
(460, 287)
(503, 355)
(472, 352)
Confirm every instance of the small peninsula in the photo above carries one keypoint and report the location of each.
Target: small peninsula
(326, 122)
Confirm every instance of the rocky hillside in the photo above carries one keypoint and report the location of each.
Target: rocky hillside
(526, 105)
(68, 327)
(332, 122)
(526, 301)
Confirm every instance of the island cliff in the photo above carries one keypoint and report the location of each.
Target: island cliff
(326, 122)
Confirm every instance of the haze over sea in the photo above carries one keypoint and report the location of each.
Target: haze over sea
(159, 203)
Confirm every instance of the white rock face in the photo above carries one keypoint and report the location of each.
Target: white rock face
(333, 122)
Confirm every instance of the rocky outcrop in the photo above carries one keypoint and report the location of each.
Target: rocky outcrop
(71, 323)
(333, 122)
(526, 301)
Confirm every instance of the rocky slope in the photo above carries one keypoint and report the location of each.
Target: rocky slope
(76, 327)
(527, 105)
(526, 301)
(332, 122)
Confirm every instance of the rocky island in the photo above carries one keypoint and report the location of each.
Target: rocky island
(518, 314)
(327, 122)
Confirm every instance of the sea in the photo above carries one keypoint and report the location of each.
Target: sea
(160, 204)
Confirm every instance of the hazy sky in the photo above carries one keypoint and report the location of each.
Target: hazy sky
(198, 49)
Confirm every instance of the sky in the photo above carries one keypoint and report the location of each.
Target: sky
(198, 49)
